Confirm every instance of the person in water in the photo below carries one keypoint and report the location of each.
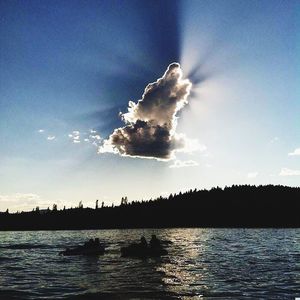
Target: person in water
(155, 242)
(143, 243)
(92, 243)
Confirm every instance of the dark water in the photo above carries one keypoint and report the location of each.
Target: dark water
(208, 263)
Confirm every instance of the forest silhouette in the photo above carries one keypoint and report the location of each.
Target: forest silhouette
(236, 206)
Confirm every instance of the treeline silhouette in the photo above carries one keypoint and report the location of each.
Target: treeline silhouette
(236, 206)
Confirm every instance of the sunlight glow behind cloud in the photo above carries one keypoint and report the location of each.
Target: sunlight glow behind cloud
(150, 130)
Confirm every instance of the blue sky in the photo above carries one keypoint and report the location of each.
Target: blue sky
(70, 66)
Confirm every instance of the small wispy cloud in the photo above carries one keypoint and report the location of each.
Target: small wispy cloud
(289, 172)
(27, 201)
(95, 137)
(75, 136)
(252, 175)
(295, 152)
(183, 164)
(19, 201)
(90, 136)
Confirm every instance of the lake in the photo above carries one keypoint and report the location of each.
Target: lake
(201, 264)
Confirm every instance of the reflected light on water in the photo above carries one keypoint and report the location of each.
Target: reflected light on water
(181, 272)
(222, 263)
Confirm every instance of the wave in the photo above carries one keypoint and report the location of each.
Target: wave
(26, 246)
(126, 296)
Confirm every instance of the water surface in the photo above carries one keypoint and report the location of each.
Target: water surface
(202, 263)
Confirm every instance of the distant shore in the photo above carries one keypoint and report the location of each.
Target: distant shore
(233, 207)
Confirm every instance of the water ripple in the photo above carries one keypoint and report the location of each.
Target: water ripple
(207, 263)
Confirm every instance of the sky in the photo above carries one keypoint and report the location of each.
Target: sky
(105, 99)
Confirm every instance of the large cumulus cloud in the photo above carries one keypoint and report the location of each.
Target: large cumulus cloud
(150, 124)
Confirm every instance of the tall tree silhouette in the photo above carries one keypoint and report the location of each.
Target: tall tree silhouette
(236, 206)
